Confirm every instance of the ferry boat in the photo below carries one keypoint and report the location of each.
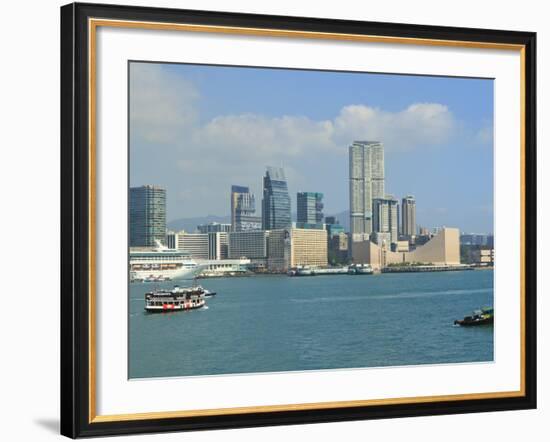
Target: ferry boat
(360, 269)
(161, 264)
(317, 271)
(483, 316)
(179, 298)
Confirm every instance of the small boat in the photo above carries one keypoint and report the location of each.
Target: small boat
(208, 293)
(179, 298)
(484, 316)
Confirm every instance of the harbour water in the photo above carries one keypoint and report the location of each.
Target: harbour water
(277, 323)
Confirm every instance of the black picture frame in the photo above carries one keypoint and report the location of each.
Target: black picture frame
(75, 220)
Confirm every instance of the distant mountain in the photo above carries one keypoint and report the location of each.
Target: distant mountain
(190, 224)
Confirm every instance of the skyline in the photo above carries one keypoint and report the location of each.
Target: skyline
(197, 130)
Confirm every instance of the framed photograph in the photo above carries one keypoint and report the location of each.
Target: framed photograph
(273, 220)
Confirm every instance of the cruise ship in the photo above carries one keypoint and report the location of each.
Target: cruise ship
(162, 263)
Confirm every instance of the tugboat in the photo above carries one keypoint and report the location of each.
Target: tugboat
(484, 316)
(179, 298)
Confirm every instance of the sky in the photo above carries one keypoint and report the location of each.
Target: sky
(196, 130)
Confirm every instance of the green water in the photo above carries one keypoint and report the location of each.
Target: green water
(279, 323)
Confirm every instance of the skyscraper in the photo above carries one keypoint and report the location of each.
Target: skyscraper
(385, 218)
(147, 216)
(276, 201)
(243, 210)
(408, 216)
(366, 175)
(310, 209)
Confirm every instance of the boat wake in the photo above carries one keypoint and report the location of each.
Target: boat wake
(402, 295)
(436, 293)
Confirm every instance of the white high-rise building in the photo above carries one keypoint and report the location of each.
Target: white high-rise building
(366, 175)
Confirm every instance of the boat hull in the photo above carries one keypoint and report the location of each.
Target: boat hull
(474, 322)
(173, 275)
(166, 308)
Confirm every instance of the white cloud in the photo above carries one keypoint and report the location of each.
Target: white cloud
(164, 110)
(419, 125)
(162, 104)
(235, 148)
(484, 136)
(255, 136)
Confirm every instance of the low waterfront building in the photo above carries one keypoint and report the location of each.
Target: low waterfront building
(381, 238)
(484, 256)
(194, 243)
(308, 247)
(338, 248)
(223, 267)
(249, 244)
(287, 248)
(217, 245)
(278, 250)
(442, 249)
(480, 256)
(420, 240)
(401, 246)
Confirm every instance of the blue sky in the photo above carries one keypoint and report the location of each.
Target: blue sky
(199, 129)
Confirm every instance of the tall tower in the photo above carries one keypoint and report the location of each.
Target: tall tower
(243, 209)
(276, 200)
(385, 217)
(408, 216)
(377, 169)
(310, 209)
(147, 216)
(366, 175)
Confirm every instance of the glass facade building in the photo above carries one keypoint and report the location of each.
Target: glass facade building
(147, 216)
(243, 210)
(276, 201)
(310, 210)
